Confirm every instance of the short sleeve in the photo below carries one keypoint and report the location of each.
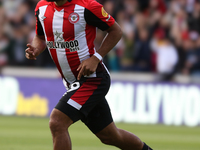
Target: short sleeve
(95, 15)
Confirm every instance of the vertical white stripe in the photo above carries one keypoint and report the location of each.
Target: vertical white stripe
(80, 35)
(62, 58)
(41, 16)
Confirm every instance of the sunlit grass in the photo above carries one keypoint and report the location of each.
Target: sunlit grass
(23, 133)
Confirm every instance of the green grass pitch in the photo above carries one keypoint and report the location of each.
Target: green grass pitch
(24, 133)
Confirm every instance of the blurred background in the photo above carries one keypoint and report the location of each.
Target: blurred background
(160, 46)
(160, 36)
(155, 72)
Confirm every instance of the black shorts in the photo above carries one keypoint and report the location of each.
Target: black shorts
(85, 101)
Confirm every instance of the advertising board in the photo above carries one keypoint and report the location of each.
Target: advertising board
(131, 102)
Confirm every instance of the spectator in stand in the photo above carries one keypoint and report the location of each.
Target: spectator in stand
(153, 13)
(191, 48)
(194, 20)
(125, 47)
(142, 52)
(166, 55)
(4, 43)
(179, 24)
(4, 40)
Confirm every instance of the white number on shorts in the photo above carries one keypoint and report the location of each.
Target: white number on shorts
(74, 86)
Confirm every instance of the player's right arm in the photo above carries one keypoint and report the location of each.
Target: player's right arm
(38, 46)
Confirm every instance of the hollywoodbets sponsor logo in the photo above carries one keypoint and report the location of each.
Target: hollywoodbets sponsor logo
(71, 45)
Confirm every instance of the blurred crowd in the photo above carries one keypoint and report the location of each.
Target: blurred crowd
(159, 36)
(17, 28)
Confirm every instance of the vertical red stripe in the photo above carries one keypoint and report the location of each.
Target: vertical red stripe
(86, 90)
(48, 25)
(68, 30)
(74, 62)
(90, 37)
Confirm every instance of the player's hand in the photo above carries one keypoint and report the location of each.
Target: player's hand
(30, 52)
(87, 67)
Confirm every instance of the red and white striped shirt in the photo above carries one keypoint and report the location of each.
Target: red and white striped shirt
(70, 31)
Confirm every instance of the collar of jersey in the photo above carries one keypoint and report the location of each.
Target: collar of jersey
(59, 8)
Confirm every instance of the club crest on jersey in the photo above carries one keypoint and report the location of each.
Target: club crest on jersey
(73, 18)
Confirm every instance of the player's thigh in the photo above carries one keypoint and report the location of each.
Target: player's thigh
(99, 118)
(59, 120)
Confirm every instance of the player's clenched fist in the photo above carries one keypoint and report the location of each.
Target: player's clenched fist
(30, 52)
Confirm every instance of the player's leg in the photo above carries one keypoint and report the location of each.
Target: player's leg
(61, 118)
(100, 122)
(59, 124)
(122, 139)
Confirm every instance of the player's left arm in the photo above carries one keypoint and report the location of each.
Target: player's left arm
(88, 66)
(111, 39)
(96, 16)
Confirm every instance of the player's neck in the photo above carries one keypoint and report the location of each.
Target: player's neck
(60, 2)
